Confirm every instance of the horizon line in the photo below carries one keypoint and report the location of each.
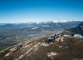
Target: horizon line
(40, 21)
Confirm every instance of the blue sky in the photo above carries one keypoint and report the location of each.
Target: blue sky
(22, 11)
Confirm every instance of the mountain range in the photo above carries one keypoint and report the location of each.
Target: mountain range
(53, 47)
(12, 33)
(55, 24)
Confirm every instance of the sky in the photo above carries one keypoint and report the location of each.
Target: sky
(23, 11)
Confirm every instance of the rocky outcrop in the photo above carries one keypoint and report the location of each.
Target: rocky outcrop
(62, 48)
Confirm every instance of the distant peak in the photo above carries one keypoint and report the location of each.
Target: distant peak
(60, 21)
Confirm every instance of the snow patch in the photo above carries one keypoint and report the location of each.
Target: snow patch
(60, 46)
(52, 54)
(78, 36)
(20, 57)
(61, 39)
(34, 28)
(45, 26)
(44, 44)
(61, 21)
(66, 35)
(8, 54)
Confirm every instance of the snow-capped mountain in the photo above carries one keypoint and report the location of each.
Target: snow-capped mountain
(61, 24)
(59, 21)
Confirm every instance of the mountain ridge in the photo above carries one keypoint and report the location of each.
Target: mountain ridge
(78, 29)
